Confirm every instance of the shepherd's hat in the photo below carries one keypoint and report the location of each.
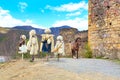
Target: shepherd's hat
(47, 31)
(32, 32)
(23, 37)
(60, 38)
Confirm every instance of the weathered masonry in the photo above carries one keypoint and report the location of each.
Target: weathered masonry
(104, 28)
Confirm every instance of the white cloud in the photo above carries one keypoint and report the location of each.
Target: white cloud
(70, 7)
(58, 15)
(42, 11)
(79, 23)
(74, 14)
(22, 6)
(6, 20)
(3, 12)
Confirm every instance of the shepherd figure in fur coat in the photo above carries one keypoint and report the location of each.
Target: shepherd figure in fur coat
(22, 45)
(32, 44)
(59, 47)
(47, 42)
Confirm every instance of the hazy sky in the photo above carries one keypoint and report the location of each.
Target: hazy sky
(44, 13)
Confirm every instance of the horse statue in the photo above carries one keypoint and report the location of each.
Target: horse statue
(75, 47)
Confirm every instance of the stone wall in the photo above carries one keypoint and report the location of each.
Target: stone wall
(104, 28)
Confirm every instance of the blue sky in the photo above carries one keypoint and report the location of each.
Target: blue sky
(44, 13)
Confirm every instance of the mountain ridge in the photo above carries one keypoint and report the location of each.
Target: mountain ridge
(54, 30)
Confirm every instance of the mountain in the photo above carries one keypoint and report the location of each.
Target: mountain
(55, 30)
(28, 28)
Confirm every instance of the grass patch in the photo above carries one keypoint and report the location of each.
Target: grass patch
(99, 58)
(67, 56)
(116, 61)
(2, 62)
(28, 56)
(18, 56)
(43, 54)
(3, 38)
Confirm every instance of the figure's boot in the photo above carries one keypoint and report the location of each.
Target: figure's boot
(32, 58)
(77, 55)
(47, 57)
(72, 53)
(58, 57)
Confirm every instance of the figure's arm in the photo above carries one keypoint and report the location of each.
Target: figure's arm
(20, 42)
(52, 45)
(55, 49)
(28, 45)
(37, 45)
(41, 44)
(63, 48)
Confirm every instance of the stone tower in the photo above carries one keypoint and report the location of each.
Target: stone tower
(104, 28)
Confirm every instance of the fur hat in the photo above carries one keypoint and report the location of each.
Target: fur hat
(23, 37)
(32, 32)
(47, 31)
(59, 37)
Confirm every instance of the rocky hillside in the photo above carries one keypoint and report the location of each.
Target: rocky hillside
(3, 30)
(9, 41)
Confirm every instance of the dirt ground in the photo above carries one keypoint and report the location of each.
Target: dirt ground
(39, 70)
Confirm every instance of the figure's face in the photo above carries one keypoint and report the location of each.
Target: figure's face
(58, 39)
(78, 40)
(33, 35)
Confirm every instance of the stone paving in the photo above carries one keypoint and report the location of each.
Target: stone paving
(88, 65)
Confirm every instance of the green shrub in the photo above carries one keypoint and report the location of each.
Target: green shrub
(88, 51)
(27, 55)
(18, 56)
(43, 54)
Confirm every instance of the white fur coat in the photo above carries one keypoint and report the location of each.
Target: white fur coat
(59, 48)
(32, 46)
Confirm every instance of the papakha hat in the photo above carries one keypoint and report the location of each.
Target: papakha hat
(32, 32)
(59, 37)
(23, 37)
(47, 31)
